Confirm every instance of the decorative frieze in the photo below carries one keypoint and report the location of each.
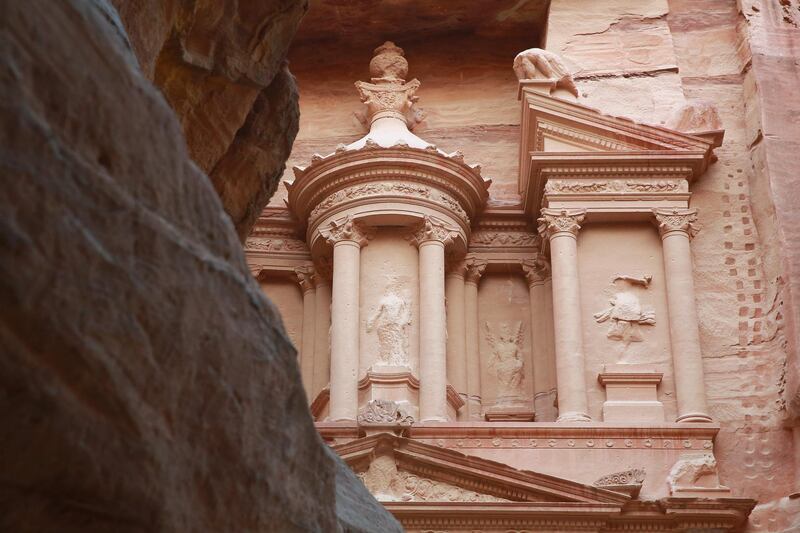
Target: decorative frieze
(275, 245)
(497, 239)
(615, 186)
(572, 442)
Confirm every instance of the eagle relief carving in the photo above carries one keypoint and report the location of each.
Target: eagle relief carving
(626, 313)
(507, 360)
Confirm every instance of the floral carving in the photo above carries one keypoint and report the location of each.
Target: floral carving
(433, 230)
(504, 239)
(680, 220)
(555, 221)
(634, 476)
(276, 245)
(616, 186)
(346, 230)
(384, 412)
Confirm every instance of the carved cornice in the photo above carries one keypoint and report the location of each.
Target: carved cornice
(536, 270)
(346, 230)
(560, 221)
(432, 230)
(676, 220)
(475, 268)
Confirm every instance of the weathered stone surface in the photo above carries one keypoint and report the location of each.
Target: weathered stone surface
(221, 67)
(145, 383)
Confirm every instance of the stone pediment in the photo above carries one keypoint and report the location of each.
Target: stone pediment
(577, 147)
(397, 469)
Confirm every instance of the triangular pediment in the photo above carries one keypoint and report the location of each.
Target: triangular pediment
(569, 140)
(399, 469)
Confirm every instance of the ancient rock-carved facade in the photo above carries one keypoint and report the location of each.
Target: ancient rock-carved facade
(486, 332)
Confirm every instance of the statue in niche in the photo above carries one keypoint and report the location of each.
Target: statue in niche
(507, 361)
(627, 313)
(391, 322)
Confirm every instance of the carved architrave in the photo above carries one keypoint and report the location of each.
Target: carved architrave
(346, 230)
(433, 230)
(384, 412)
(676, 220)
(555, 221)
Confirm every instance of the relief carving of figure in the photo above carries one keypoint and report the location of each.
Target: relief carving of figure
(507, 360)
(627, 313)
(391, 322)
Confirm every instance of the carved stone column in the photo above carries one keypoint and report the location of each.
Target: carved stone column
(676, 227)
(456, 328)
(537, 271)
(561, 228)
(304, 277)
(431, 238)
(347, 238)
(322, 328)
(474, 271)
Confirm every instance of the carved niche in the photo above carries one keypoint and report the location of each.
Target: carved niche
(626, 313)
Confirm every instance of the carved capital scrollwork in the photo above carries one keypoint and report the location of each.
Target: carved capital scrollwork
(304, 276)
(536, 270)
(676, 220)
(432, 230)
(456, 267)
(346, 230)
(474, 269)
(555, 221)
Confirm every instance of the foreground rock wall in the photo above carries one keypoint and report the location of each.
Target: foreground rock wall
(643, 60)
(221, 66)
(145, 382)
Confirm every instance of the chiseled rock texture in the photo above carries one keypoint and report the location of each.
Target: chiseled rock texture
(146, 384)
(221, 66)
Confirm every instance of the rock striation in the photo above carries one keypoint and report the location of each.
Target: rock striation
(146, 384)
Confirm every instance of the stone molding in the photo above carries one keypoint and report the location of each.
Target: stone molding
(676, 220)
(560, 221)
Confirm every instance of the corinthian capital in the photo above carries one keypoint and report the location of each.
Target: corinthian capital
(474, 269)
(304, 276)
(680, 220)
(554, 221)
(346, 230)
(536, 270)
(433, 230)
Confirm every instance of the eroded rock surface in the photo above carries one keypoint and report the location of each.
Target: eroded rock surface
(221, 67)
(146, 384)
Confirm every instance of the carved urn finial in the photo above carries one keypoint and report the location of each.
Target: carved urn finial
(388, 95)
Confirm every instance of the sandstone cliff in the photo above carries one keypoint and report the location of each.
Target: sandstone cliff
(146, 384)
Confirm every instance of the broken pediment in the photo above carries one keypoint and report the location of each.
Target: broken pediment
(567, 147)
(399, 469)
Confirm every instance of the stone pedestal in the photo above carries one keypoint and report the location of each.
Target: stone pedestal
(392, 383)
(518, 411)
(631, 394)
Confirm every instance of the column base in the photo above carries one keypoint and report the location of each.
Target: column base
(574, 417)
(694, 418)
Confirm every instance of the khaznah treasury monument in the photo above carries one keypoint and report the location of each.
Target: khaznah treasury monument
(529, 266)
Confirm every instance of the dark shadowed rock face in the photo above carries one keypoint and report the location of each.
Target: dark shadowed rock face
(221, 67)
(146, 384)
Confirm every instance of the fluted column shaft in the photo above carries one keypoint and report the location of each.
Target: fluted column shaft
(347, 239)
(304, 277)
(431, 239)
(561, 228)
(472, 277)
(676, 229)
(456, 334)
